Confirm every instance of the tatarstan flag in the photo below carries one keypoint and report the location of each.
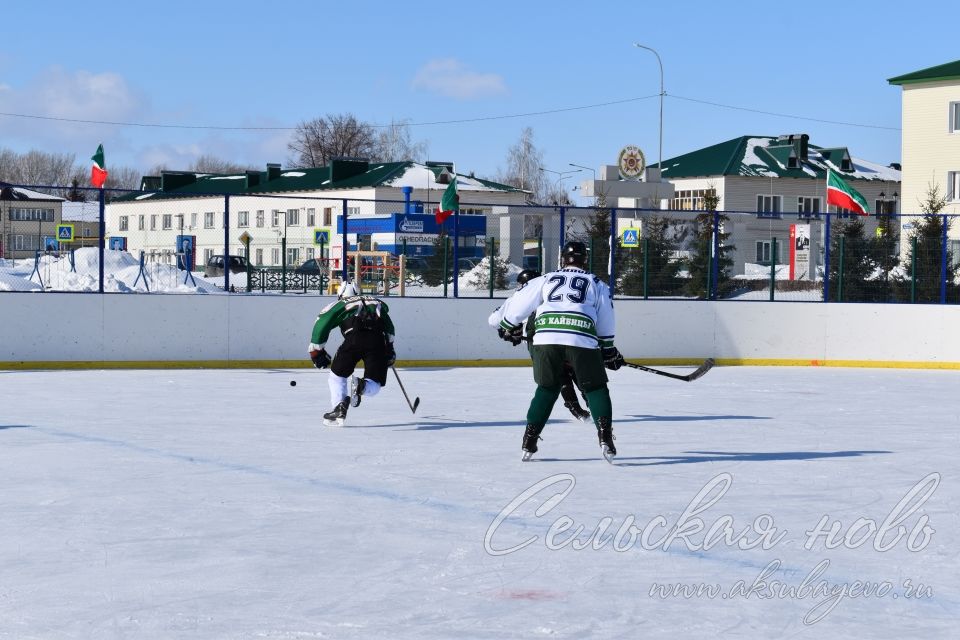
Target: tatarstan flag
(98, 172)
(840, 194)
(449, 203)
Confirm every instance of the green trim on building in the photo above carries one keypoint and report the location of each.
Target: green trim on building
(939, 73)
(340, 174)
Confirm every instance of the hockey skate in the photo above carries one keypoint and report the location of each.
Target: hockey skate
(357, 385)
(606, 437)
(337, 416)
(530, 437)
(577, 411)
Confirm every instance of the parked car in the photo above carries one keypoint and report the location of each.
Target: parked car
(466, 264)
(312, 267)
(531, 262)
(214, 266)
(416, 264)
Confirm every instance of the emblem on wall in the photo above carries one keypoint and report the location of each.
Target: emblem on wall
(631, 163)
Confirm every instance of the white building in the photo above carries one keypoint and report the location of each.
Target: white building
(179, 208)
(931, 139)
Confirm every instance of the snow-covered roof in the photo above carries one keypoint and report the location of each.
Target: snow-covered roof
(10, 192)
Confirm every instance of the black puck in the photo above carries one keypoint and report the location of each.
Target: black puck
(293, 383)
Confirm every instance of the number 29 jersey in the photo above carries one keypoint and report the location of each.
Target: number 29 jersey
(572, 307)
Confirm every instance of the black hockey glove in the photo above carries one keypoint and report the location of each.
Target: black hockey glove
(612, 358)
(391, 354)
(321, 359)
(513, 336)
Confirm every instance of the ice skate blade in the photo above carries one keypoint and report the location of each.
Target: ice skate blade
(527, 455)
(609, 457)
(332, 423)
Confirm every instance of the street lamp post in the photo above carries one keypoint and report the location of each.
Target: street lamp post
(594, 187)
(659, 62)
(563, 175)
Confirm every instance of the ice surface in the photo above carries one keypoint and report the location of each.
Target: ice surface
(213, 504)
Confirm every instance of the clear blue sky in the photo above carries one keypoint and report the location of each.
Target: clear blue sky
(274, 64)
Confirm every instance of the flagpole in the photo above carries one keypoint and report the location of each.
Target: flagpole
(456, 240)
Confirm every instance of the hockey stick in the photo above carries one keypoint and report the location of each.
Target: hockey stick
(693, 375)
(416, 401)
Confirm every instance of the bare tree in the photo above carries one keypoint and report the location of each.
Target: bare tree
(36, 168)
(393, 144)
(122, 178)
(524, 161)
(211, 164)
(316, 142)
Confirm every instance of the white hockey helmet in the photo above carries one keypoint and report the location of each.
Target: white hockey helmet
(346, 290)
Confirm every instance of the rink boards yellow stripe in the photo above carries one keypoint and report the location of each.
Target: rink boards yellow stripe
(305, 364)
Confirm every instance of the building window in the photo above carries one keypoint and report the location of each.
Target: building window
(954, 249)
(140, 223)
(153, 222)
(207, 254)
(808, 207)
(259, 254)
(243, 219)
(275, 256)
(208, 220)
(311, 217)
(309, 253)
(953, 186)
(193, 220)
(954, 117)
(293, 217)
(686, 199)
(167, 221)
(35, 215)
(124, 224)
(884, 207)
(764, 251)
(293, 256)
(275, 218)
(327, 216)
(353, 211)
(88, 232)
(769, 206)
(260, 218)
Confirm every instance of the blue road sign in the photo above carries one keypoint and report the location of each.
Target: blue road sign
(631, 237)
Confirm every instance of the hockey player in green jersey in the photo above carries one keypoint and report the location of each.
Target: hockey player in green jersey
(368, 335)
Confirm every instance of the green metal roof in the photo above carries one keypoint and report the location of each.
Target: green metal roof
(948, 71)
(186, 184)
(768, 156)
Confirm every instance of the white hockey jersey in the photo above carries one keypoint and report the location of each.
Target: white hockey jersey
(572, 307)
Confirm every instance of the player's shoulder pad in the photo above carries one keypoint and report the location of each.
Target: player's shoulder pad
(330, 306)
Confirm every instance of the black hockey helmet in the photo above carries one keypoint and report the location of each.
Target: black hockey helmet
(526, 276)
(574, 254)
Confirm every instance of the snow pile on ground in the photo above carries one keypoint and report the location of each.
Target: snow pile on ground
(122, 274)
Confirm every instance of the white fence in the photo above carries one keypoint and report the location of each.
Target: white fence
(112, 330)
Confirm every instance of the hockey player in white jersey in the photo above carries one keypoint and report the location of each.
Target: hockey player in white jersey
(568, 385)
(574, 323)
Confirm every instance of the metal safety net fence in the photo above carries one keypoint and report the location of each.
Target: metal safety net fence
(170, 240)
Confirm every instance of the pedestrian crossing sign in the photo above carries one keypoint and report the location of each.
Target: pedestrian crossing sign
(64, 233)
(321, 236)
(631, 237)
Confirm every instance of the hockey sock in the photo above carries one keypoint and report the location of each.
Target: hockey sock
(371, 388)
(599, 402)
(338, 388)
(542, 405)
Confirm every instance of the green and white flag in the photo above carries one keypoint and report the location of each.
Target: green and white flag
(449, 203)
(98, 171)
(840, 194)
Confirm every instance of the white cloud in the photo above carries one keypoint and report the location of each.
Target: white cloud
(68, 95)
(451, 78)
